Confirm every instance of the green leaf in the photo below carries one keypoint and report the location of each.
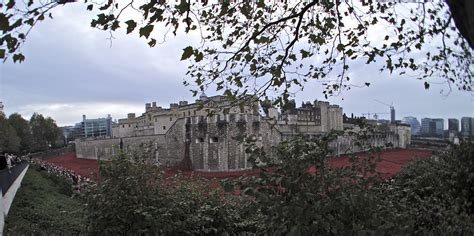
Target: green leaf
(304, 54)
(4, 24)
(146, 31)
(228, 187)
(183, 7)
(427, 85)
(30, 21)
(292, 57)
(17, 23)
(115, 25)
(10, 4)
(340, 47)
(2, 53)
(248, 57)
(18, 57)
(131, 24)
(199, 56)
(187, 53)
(152, 43)
(90, 7)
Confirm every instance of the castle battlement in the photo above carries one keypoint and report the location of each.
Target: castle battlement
(223, 118)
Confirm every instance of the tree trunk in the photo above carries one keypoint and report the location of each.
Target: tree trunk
(463, 15)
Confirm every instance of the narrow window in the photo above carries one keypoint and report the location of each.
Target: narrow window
(164, 127)
(200, 140)
(214, 140)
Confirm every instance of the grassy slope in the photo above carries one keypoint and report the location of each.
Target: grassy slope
(42, 207)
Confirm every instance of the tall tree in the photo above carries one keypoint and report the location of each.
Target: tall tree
(23, 131)
(54, 135)
(44, 130)
(9, 140)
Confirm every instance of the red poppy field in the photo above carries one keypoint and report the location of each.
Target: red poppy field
(391, 162)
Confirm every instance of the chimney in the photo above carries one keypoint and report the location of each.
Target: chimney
(147, 106)
(153, 104)
(83, 117)
(183, 103)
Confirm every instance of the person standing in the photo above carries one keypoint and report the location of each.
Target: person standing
(9, 160)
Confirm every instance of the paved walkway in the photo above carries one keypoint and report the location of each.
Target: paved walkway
(7, 199)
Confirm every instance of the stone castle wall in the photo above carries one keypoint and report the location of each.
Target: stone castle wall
(214, 143)
(165, 149)
(218, 146)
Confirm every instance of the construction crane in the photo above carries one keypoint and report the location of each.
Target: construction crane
(392, 110)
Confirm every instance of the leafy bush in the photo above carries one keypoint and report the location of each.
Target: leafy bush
(133, 198)
(432, 196)
(295, 200)
(435, 196)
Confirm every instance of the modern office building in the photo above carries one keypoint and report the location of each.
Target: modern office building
(472, 127)
(467, 126)
(439, 127)
(427, 127)
(453, 125)
(414, 124)
(432, 127)
(73, 132)
(99, 127)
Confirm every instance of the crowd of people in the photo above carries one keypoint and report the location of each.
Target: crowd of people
(7, 161)
(78, 181)
(10, 160)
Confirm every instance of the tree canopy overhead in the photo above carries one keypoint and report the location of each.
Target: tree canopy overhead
(276, 47)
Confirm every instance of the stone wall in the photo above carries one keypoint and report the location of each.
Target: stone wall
(349, 144)
(164, 150)
(215, 143)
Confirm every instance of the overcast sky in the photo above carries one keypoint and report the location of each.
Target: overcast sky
(71, 70)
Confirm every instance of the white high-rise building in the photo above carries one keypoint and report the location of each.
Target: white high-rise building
(414, 124)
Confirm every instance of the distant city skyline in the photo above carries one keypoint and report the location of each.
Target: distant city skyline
(81, 74)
